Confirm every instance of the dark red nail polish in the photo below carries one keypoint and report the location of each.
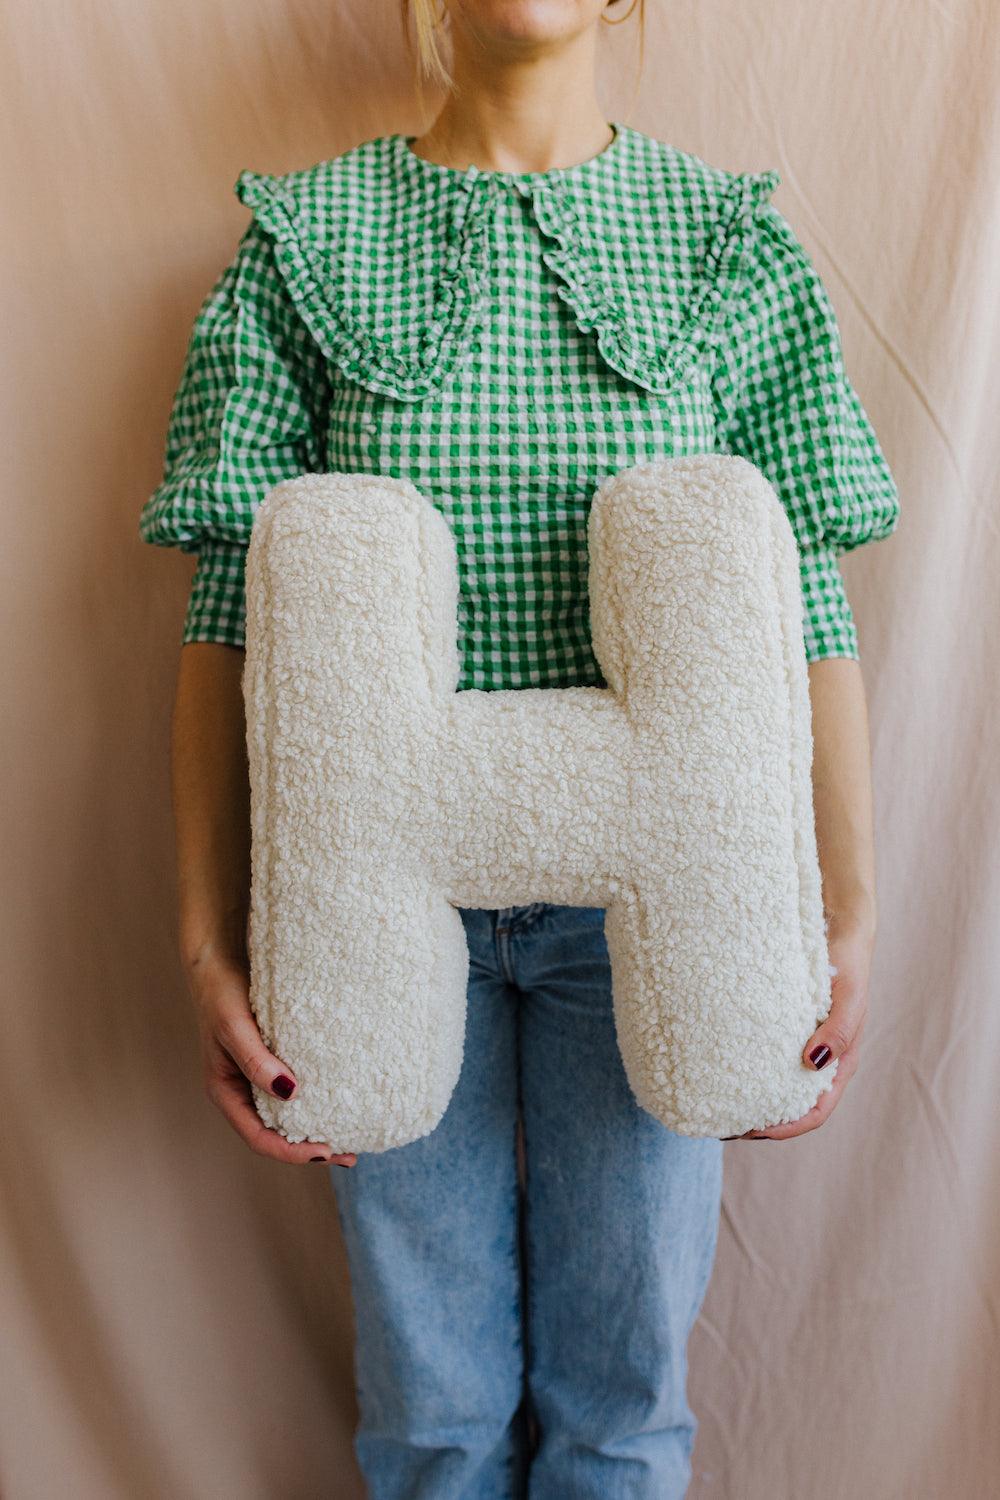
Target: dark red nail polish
(317, 1158)
(820, 1056)
(283, 1086)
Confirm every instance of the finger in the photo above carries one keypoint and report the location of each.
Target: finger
(240, 1037)
(814, 1116)
(236, 1057)
(230, 1093)
(842, 1027)
(820, 1111)
(237, 1033)
(232, 1096)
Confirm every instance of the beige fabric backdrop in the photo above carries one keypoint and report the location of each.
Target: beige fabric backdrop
(176, 1320)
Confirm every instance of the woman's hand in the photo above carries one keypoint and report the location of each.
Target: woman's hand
(850, 941)
(211, 804)
(234, 1056)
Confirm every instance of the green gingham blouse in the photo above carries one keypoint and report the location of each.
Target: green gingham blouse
(505, 340)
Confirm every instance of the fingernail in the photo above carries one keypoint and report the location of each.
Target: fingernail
(283, 1086)
(317, 1158)
(820, 1056)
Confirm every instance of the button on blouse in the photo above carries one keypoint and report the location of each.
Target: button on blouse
(505, 340)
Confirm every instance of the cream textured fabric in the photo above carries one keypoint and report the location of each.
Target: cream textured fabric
(678, 797)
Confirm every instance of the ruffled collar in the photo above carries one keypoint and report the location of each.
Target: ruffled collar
(343, 234)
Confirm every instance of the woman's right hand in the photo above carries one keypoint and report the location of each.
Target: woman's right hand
(234, 1056)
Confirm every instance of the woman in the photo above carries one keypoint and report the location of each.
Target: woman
(505, 309)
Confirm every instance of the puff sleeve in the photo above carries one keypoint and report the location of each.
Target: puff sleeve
(785, 402)
(247, 413)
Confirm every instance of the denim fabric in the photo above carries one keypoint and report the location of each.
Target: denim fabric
(530, 1341)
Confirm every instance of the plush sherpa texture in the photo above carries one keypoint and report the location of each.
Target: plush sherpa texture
(679, 797)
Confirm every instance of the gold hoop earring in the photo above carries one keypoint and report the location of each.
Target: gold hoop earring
(617, 21)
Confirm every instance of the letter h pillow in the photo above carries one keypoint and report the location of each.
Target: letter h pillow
(679, 798)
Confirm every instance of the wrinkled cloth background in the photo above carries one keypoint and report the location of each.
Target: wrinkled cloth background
(176, 1315)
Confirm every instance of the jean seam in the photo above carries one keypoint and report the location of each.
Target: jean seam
(527, 1284)
(502, 942)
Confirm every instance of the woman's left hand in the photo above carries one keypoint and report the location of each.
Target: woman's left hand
(850, 941)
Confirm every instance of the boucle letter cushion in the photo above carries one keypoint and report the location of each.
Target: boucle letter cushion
(678, 797)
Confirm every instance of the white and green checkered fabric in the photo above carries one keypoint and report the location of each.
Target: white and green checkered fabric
(505, 340)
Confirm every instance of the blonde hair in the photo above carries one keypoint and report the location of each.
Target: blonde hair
(427, 25)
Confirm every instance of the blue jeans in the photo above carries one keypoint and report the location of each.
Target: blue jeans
(540, 1353)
